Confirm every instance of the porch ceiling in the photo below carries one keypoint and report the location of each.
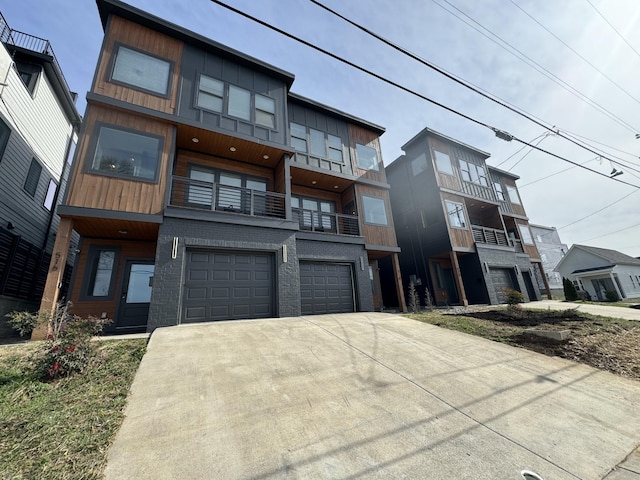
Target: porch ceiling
(114, 228)
(306, 176)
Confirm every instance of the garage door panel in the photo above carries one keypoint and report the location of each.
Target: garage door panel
(501, 279)
(229, 286)
(326, 288)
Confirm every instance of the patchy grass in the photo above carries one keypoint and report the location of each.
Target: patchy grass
(607, 343)
(61, 430)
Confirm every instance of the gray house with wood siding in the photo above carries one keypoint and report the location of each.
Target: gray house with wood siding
(38, 130)
(204, 190)
(461, 225)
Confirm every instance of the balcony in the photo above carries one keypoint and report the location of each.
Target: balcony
(479, 191)
(326, 222)
(490, 236)
(200, 195)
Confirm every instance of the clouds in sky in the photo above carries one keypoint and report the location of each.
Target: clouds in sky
(428, 29)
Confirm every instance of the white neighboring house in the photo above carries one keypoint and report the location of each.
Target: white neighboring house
(552, 250)
(598, 270)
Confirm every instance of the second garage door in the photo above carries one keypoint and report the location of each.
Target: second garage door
(326, 288)
(502, 278)
(221, 285)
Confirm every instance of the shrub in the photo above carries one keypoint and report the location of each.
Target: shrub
(24, 322)
(414, 299)
(570, 293)
(513, 298)
(611, 296)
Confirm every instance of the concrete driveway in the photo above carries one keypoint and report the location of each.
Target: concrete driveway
(367, 395)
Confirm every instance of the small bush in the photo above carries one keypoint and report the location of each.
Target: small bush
(570, 293)
(611, 296)
(24, 322)
(414, 299)
(513, 298)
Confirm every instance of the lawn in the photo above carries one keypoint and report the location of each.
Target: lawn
(606, 343)
(61, 430)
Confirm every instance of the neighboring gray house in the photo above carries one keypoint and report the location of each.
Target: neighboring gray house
(38, 130)
(598, 270)
(551, 251)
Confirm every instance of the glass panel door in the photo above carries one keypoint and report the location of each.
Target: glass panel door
(230, 196)
(199, 192)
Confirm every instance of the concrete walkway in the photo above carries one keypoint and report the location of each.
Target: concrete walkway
(604, 309)
(367, 395)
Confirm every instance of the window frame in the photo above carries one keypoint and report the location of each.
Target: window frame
(364, 210)
(33, 71)
(88, 166)
(316, 222)
(116, 49)
(51, 207)
(517, 200)
(473, 172)
(5, 135)
(328, 148)
(459, 209)
(522, 228)
(257, 109)
(90, 271)
(198, 90)
(35, 164)
(497, 186)
(435, 159)
(414, 162)
(376, 166)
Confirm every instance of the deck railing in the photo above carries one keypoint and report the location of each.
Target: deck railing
(490, 236)
(479, 191)
(200, 195)
(326, 222)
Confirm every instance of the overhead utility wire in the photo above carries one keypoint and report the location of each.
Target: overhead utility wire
(576, 53)
(450, 76)
(611, 233)
(520, 187)
(499, 133)
(517, 152)
(613, 28)
(535, 65)
(583, 138)
(525, 155)
(597, 211)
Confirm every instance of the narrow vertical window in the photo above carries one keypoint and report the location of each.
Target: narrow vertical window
(239, 102)
(51, 194)
(101, 267)
(33, 177)
(455, 212)
(265, 111)
(210, 94)
(299, 137)
(443, 162)
(5, 132)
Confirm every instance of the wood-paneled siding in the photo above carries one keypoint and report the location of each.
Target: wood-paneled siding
(460, 237)
(451, 182)
(92, 190)
(371, 139)
(129, 34)
(515, 208)
(128, 250)
(376, 234)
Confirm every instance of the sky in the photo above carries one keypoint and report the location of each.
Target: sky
(589, 51)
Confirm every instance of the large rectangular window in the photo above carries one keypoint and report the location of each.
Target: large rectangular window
(443, 162)
(473, 173)
(316, 143)
(33, 177)
(5, 133)
(367, 157)
(141, 70)
(374, 210)
(455, 212)
(127, 153)
(102, 265)
(513, 195)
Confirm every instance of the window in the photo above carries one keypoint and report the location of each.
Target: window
(367, 157)
(316, 143)
(51, 194)
(5, 133)
(231, 191)
(443, 162)
(374, 210)
(210, 94)
(126, 153)
(455, 212)
(499, 191)
(33, 177)
(28, 73)
(99, 275)
(419, 164)
(265, 111)
(525, 234)
(239, 102)
(513, 195)
(71, 153)
(314, 214)
(473, 173)
(141, 70)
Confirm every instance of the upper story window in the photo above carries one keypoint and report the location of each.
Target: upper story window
(375, 210)
(367, 157)
(419, 164)
(240, 102)
(443, 162)
(126, 153)
(71, 152)
(51, 195)
(5, 133)
(316, 143)
(513, 195)
(499, 191)
(525, 234)
(473, 173)
(455, 212)
(141, 70)
(33, 177)
(28, 74)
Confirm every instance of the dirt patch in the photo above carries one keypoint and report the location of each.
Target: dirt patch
(605, 343)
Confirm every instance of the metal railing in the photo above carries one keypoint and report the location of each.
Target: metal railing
(490, 236)
(517, 245)
(26, 41)
(335, 223)
(200, 195)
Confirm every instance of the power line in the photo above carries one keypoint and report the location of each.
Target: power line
(447, 75)
(597, 211)
(499, 133)
(576, 53)
(553, 174)
(613, 28)
(525, 155)
(517, 152)
(536, 66)
(611, 233)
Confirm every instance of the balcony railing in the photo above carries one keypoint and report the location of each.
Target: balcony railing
(490, 236)
(326, 222)
(200, 195)
(479, 191)
(517, 245)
